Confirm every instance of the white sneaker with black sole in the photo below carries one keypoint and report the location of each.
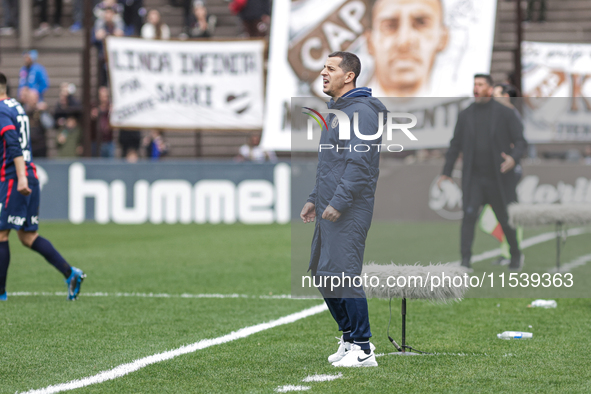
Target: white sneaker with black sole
(344, 347)
(357, 358)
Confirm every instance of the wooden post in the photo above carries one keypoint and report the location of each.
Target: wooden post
(517, 54)
(86, 75)
(25, 23)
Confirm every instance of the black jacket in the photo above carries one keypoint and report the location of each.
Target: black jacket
(506, 129)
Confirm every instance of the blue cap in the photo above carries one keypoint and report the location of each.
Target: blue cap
(33, 53)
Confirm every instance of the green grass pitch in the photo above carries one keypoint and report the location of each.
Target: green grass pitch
(46, 340)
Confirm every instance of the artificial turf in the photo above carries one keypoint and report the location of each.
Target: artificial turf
(47, 340)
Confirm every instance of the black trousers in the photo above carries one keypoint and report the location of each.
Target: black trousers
(484, 191)
(57, 15)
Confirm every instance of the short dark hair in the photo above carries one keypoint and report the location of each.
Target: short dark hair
(3, 84)
(488, 78)
(349, 63)
(510, 90)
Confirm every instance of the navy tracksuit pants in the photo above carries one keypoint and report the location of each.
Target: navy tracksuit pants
(351, 314)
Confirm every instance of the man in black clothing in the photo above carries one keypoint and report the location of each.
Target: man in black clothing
(490, 137)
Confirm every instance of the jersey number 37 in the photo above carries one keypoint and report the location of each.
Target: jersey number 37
(25, 134)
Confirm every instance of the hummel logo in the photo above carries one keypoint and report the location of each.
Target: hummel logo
(362, 360)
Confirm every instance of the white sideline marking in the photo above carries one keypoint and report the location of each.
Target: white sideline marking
(578, 262)
(322, 378)
(290, 387)
(154, 295)
(125, 369)
(526, 243)
(454, 354)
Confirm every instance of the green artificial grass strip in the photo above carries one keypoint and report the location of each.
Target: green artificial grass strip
(47, 340)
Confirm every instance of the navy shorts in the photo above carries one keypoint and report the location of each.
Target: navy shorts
(17, 211)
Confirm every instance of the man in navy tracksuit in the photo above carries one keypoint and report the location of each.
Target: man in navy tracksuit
(343, 201)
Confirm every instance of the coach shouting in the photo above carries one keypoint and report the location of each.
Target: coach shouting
(490, 137)
(343, 201)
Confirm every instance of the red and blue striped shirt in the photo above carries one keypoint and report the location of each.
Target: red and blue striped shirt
(15, 140)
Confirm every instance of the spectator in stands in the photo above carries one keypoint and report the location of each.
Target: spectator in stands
(541, 11)
(254, 152)
(39, 122)
(10, 14)
(67, 106)
(44, 28)
(154, 29)
(202, 24)
(130, 141)
(505, 93)
(187, 8)
(106, 25)
(69, 139)
(255, 17)
(78, 14)
(33, 75)
(112, 5)
(103, 133)
(67, 115)
(155, 145)
(587, 155)
(133, 16)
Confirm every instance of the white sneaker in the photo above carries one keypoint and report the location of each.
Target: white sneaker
(357, 358)
(344, 347)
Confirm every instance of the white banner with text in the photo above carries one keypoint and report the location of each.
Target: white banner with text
(215, 85)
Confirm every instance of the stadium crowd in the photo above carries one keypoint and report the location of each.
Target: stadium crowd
(56, 127)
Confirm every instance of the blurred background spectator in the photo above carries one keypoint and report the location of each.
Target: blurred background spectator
(130, 140)
(255, 16)
(67, 122)
(10, 17)
(45, 28)
(33, 75)
(154, 29)
(78, 14)
(187, 6)
(104, 5)
(587, 155)
(155, 145)
(254, 152)
(505, 94)
(133, 16)
(531, 4)
(202, 24)
(103, 133)
(39, 121)
(109, 23)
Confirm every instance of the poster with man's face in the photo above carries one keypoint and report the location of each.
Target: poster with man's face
(407, 48)
(404, 40)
